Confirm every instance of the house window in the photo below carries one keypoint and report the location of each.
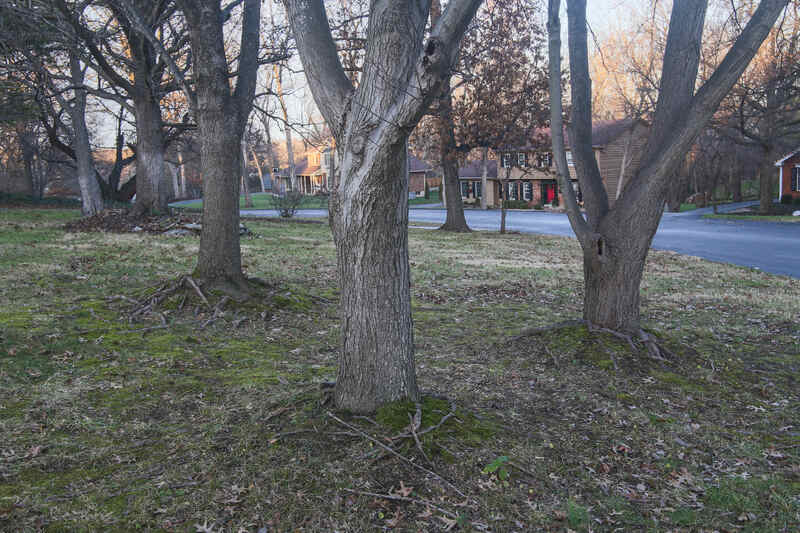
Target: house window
(512, 191)
(506, 162)
(464, 189)
(527, 188)
(549, 160)
(796, 179)
(522, 159)
(476, 187)
(569, 159)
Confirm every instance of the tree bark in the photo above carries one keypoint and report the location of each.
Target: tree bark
(287, 130)
(765, 197)
(455, 220)
(91, 199)
(484, 176)
(248, 200)
(152, 189)
(377, 357)
(612, 282)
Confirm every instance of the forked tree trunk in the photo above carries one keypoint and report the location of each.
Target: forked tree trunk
(616, 240)
(221, 118)
(369, 204)
(370, 227)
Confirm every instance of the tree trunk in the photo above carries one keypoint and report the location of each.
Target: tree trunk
(611, 282)
(26, 144)
(219, 259)
(484, 175)
(221, 118)
(287, 130)
(182, 169)
(91, 198)
(260, 171)
(765, 189)
(152, 189)
(370, 227)
(248, 200)
(455, 220)
(735, 180)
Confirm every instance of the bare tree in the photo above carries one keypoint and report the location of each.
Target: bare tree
(221, 117)
(369, 203)
(616, 240)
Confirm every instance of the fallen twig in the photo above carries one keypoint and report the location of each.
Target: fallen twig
(403, 499)
(388, 449)
(194, 286)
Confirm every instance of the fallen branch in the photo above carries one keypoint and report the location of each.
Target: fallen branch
(403, 499)
(399, 456)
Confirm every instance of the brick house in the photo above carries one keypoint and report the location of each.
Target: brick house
(789, 175)
(417, 176)
(530, 169)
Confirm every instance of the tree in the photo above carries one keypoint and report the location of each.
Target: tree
(134, 68)
(616, 240)
(369, 202)
(498, 95)
(763, 109)
(44, 54)
(221, 118)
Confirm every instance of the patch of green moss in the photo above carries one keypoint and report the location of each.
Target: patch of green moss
(292, 301)
(467, 428)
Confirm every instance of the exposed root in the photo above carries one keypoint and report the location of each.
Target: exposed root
(655, 349)
(542, 329)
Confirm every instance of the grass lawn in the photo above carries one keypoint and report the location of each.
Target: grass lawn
(263, 200)
(433, 198)
(686, 207)
(768, 218)
(170, 421)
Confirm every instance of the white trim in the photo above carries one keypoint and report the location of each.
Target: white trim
(788, 156)
(780, 183)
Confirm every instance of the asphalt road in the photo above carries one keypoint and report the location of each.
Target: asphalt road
(769, 246)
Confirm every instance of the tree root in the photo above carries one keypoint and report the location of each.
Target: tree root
(655, 349)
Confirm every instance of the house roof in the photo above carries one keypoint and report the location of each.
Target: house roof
(604, 132)
(474, 169)
(781, 161)
(301, 168)
(417, 165)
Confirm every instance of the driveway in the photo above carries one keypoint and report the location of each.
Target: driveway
(769, 246)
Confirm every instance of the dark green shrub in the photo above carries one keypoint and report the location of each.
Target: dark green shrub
(516, 204)
(786, 199)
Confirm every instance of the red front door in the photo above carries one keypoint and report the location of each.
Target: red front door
(549, 192)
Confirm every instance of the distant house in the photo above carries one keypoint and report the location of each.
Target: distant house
(417, 175)
(530, 170)
(470, 177)
(789, 175)
(312, 172)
